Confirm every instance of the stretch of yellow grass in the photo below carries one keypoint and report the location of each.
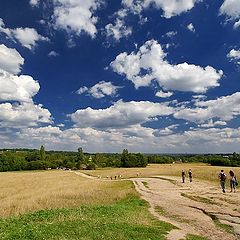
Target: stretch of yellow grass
(200, 171)
(22, 192)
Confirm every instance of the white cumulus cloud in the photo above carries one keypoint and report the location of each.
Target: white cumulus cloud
(225, 108)
(17, 88)
(76, 16)
(28, 37)
(100, 90)
(120, 115)
(23, 115)
(234, 55)
(170, 8)
(118, 30)
(162, 94)
(151, 59)
(231, 8)
(10, 59)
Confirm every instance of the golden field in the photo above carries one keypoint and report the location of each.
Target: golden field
(22, 192)
(200, 171)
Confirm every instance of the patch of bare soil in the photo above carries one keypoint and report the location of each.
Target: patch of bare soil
(197, 208)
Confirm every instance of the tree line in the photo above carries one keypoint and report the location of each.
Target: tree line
(34, 159)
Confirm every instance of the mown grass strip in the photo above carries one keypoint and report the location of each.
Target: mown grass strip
(124, 220)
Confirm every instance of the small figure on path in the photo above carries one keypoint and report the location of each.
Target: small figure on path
(190, 175)
(222, 177)
(183, 176)
(232, 181)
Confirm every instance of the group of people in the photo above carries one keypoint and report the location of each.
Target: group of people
(233, 180)
(190, 175)
(222, 177)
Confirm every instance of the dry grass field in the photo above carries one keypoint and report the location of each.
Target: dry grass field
(200, 171)
(22, 192)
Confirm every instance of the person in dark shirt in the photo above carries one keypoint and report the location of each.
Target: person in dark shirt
(190, 175)
(183, 176)
(222, 176)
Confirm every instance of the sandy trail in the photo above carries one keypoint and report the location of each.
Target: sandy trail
(193, 208)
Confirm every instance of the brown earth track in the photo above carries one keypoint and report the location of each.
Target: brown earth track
(194, 208)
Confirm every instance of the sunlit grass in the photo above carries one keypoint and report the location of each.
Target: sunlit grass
(122, 220)
(23, 192)
(200, 171)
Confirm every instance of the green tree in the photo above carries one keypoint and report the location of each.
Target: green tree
(124, 158)
(80, 158)
(42, 153)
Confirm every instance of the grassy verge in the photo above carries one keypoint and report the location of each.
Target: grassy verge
(123, 220)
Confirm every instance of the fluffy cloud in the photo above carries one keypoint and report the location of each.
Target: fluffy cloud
(151, 59)
(120, 115)
(170, 8)
(234, 55)
(231, 8)
(23, 115)
(225, 108)
(10, 60)
(118, 30)
(17, 88)
(136, 138)
(76, 15)
(100, 90)
(17, 108)
(162, 94)
(28, 37)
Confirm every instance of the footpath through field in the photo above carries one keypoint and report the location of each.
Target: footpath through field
(194, 208)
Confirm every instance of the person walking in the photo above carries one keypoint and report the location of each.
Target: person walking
(232, 181)
(183, 176)
(190, 175)
(222, 176)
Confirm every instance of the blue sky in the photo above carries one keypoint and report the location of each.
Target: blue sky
(148, 75)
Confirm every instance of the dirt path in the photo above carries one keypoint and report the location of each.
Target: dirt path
(194, 208)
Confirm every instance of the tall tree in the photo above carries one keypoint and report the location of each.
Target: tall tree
(80, 157)
(42, 153)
